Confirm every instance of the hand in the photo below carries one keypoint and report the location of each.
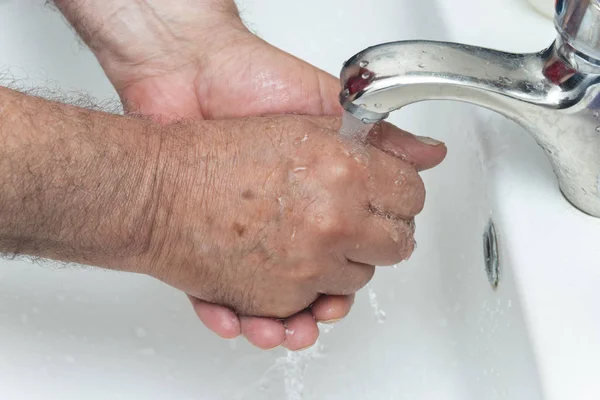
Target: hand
(215, 68)
(281, 212)
(262, 215)
(222, 88)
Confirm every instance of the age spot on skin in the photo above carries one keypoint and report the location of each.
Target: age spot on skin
(239, 229)
(247, 194)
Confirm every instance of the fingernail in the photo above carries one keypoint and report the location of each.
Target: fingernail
(331, 321)
(428, 141)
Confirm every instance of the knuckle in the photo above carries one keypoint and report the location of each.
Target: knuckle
(330, 224)
(414, 195)
(307, 272)
(342, 170)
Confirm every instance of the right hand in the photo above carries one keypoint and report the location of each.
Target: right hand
(266, 214)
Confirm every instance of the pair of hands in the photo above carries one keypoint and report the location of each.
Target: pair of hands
(293, 212)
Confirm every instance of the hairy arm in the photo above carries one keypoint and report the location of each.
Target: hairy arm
(73, 186)
(161, 35)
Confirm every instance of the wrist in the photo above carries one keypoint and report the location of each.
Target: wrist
(134, 40)
(77, 185)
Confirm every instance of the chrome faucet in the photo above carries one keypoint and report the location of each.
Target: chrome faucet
(554, 94)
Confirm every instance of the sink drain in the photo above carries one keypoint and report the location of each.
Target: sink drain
(490, 252)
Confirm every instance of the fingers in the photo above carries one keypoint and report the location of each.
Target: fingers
(350, 277)
(301, 331)
(330, 309)
(297, 332)
(264, 333)
(221, 320)
(385, 241)
(396, 188)
(422, 152)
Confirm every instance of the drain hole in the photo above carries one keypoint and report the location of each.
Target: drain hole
(490, 252)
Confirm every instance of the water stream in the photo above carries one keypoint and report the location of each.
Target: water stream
(295, 364)
(354, 129)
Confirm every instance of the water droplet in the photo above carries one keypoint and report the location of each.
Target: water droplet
(24, 318)
(300, 169)
(346, 92)
(299, 140)
(421, 65)
(598, 129)
(319, 218)
(140, 332)
(380, 316)
(505, 80)
(366, 75)
(70, 359)
(61, 297)
(363, 64)
(35, 310)
(596, 114)
(377, 105)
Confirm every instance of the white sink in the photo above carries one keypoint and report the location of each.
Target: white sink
(70, 333)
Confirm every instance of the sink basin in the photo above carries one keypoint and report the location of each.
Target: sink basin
(83, 333)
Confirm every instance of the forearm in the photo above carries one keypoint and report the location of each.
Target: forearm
(125, 33)
(75, 185)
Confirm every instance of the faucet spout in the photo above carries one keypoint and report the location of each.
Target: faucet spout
(552, 93)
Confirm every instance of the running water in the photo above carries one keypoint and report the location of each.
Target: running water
(293, 367)
(379, 313)
(294, 364)
(357, 131)
(354, 129)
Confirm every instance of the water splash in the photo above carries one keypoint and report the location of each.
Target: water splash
(379, 313)
(293, 367)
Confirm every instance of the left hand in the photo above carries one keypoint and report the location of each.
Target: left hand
(171, 64)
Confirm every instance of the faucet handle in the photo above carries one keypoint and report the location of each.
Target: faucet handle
(578, 23)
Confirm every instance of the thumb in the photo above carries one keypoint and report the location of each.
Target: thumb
(423, 152)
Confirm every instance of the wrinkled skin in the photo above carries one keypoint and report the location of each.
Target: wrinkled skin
(178, 66)
(294, 213)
